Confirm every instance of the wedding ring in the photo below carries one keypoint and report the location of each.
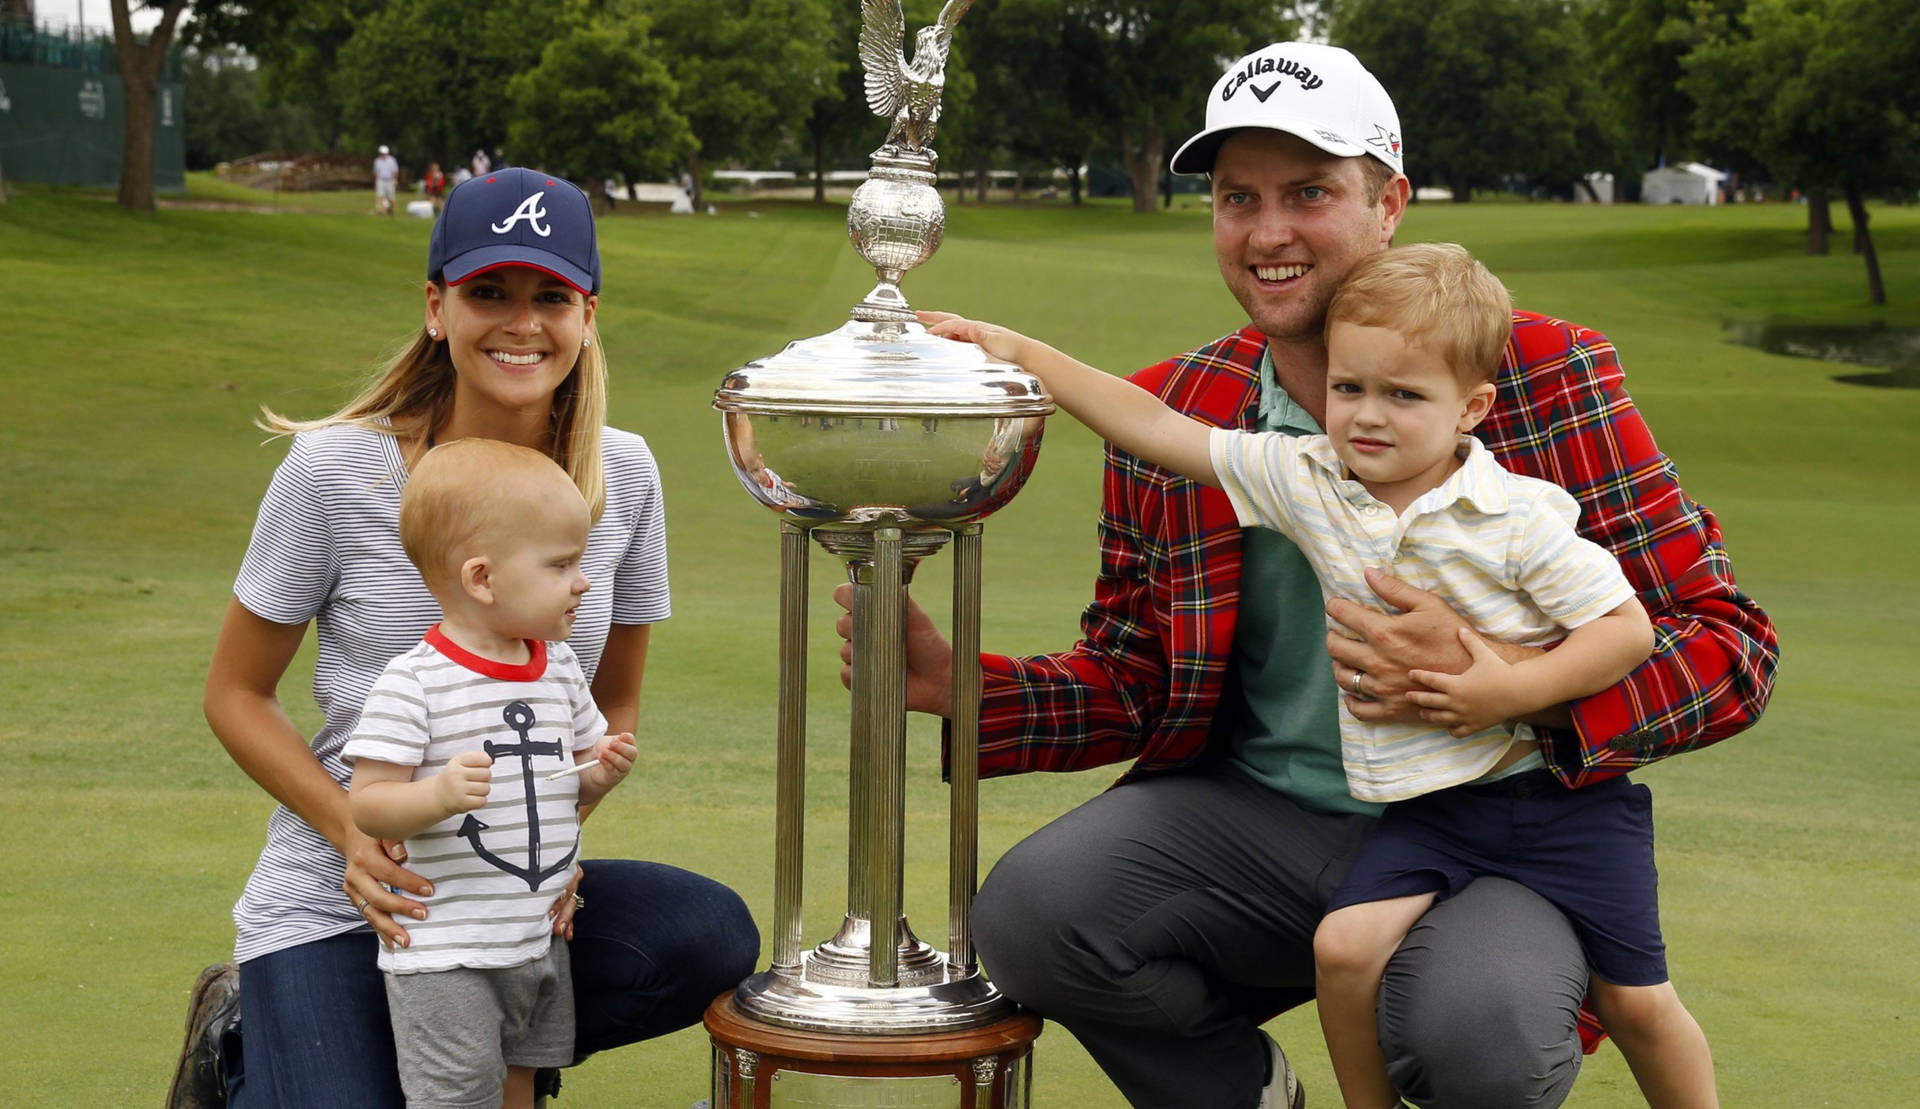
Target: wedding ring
(362, 904)
(1357, 675)
(579, 902)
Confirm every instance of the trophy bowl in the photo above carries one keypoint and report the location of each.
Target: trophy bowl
(882, 421)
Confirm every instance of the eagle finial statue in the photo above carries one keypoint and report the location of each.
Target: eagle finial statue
(906, 92)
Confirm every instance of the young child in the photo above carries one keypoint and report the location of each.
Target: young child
(476, 748)
(1414, 338)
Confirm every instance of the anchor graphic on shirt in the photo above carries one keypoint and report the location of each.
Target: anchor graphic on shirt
(519, 716)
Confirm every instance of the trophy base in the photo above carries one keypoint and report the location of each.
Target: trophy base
(809, 1005)
(762, 1066)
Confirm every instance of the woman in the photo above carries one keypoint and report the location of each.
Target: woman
(508, 352)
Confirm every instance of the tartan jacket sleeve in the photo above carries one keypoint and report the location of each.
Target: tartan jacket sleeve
(1144, 681)
(1563, 414)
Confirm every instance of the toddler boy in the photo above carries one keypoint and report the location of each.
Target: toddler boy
(477, 747)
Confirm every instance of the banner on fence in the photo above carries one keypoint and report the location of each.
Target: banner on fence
(64, 127)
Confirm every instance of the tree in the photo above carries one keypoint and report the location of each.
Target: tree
(1639, 45)
(1486, 89)
(599, 104)
(297, 44)
(1027, 61)
(749, 71)
(140, 65)
(839, 121)
(229, 118)
(1822, 91)
(428, 77)
(1142, 68)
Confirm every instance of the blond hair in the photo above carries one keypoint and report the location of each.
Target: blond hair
(413, 396)
(467, 497)
(1438, 297)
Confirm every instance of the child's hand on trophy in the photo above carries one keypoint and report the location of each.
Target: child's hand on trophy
(1003, 343)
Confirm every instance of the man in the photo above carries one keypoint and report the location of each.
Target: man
(386, 175)
(1163, 921)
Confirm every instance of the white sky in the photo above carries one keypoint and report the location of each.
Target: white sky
(98, 14)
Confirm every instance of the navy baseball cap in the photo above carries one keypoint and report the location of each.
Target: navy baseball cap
(516, 217)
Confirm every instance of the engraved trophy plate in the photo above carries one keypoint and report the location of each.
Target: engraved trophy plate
(793, 1089)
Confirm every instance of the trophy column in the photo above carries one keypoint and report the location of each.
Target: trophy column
(882, 443)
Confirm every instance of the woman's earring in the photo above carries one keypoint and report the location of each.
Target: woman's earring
(585, 343)
(433, 333)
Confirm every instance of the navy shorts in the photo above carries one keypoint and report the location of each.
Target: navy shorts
(1588, 851)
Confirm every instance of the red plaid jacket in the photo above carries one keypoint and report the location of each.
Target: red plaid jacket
(1145, 682)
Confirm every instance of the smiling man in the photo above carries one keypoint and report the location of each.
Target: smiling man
(1163, 921)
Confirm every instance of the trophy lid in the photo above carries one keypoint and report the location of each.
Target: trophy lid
(883, 369)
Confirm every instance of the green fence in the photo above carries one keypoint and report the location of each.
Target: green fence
(63, 111)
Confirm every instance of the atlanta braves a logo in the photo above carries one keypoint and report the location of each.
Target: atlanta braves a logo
(530, 210)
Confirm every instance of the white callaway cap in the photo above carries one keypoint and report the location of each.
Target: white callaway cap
(1318, 93)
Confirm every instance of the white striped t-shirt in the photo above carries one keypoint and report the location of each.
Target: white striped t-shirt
(495, 870)
(326, 548)
(1498, 547)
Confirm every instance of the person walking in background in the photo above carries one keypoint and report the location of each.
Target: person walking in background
(434, 185)
(386, 179)
(507, 350)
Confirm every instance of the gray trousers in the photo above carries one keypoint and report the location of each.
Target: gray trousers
(1163, 921)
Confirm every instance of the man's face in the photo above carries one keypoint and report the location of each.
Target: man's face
(1289, 222)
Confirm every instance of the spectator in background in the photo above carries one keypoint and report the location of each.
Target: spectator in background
(434, 185)
(386, 175)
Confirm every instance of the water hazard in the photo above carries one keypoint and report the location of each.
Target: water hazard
(1890, 356)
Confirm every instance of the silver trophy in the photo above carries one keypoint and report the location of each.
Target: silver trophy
(882, 442)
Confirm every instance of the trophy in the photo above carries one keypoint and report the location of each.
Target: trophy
(883, 443)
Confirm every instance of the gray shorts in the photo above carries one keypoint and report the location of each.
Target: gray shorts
(457, 1031)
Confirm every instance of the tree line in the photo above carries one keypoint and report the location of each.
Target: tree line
(1814, 95)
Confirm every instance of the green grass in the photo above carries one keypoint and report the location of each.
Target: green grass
(137, 350)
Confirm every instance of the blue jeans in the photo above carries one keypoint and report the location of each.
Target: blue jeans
(651, 948)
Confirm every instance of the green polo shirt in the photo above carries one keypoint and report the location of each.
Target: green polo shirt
(1286, 723)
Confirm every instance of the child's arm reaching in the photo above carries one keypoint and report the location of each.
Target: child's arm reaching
(388, 803)
(1594, 656)
(1127, 416)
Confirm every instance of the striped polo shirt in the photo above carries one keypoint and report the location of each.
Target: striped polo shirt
(1498, 547)
(326, 548)
(495, 870)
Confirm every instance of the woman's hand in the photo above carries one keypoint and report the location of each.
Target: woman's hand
(373, 865)
(566, 905)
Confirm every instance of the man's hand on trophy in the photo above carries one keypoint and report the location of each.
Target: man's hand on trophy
(929, 656)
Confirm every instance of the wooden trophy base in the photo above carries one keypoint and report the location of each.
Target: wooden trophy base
(765, 1066)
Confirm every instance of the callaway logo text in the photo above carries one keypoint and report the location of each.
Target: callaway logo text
(1261, 66)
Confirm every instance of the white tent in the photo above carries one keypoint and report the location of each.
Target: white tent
(1686, 183)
